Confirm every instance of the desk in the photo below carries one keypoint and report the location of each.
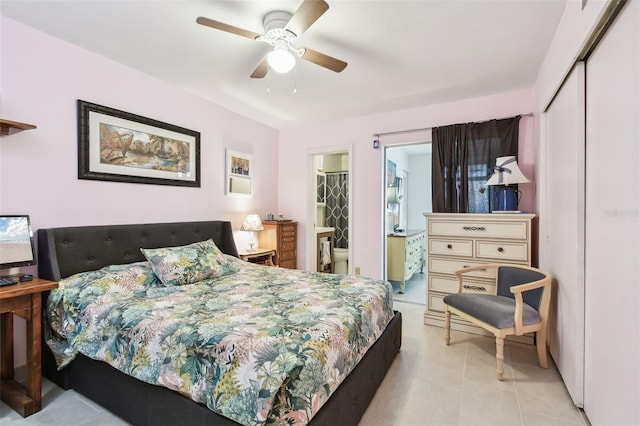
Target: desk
(263, 256)
(22, 299)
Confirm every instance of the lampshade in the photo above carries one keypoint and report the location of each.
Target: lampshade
(252, 223)
(281, 60)
(506, 172)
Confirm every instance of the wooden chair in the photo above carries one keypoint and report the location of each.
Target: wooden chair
(520, 306)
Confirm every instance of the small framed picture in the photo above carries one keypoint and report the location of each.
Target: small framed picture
(321, 193)
(239, 176)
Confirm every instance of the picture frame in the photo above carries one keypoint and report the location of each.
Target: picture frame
(391, 173)
(119, 146)
(239, 179)
(321, 188)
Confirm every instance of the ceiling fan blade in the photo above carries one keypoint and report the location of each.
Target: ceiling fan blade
(323, 60)
(226, 27)
(308, 13)
(261, 70)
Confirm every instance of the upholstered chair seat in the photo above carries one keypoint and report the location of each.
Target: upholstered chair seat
(497, 311)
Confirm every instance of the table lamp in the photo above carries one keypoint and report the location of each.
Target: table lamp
(505, 173)
(251, 224)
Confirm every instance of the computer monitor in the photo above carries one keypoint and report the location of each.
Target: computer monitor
(16, 241)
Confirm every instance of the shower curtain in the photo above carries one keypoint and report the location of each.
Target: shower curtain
(337, 207)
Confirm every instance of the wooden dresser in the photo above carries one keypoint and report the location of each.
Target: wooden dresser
(281, 235)
(455, 241)
(405, 255)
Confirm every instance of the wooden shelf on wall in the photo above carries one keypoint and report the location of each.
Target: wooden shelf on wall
(7, 125)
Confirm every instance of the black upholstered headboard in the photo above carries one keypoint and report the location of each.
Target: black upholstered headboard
(65, 251)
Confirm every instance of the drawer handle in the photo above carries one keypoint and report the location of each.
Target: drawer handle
(500, 249)
(473, 228)
(449, 246)
(474, 287)
(467, 266)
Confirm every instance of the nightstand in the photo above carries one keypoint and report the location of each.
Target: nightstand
(24, 300)
(263, 256)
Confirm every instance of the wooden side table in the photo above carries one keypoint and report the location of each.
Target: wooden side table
(22, 299)
(262, 256)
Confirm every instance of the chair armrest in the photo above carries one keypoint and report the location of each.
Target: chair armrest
(530, 286)
(462, 271)
(517, 291)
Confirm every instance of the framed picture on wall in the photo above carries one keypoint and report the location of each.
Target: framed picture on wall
(321, 190)
(391, 173)
(119, 146)
(239, 173)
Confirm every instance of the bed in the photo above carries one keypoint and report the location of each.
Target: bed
(65, 252)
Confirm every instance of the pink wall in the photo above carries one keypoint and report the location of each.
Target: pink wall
(296, 144)
(41, 79)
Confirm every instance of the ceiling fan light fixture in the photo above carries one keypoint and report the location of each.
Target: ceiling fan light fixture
(281, 60)
(281, 32)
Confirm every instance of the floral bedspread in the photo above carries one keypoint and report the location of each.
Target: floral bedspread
(263, 345)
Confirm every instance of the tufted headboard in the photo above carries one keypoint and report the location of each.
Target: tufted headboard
(65, 251)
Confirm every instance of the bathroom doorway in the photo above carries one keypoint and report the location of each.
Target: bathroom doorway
(329, 248)
(407, 197)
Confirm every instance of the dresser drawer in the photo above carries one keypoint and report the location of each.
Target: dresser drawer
(288, 236)
(517, 230)
(449, 266)
(412, 252)
(411, 266)
(450, 285)
(442, 284)
(502, 251)
(434, 302)
(285, 255)
(451, 248)
(415, 240)
(288, 246)
(288, 229)
(290, 264)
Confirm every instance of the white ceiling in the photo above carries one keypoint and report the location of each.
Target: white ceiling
(401, 54)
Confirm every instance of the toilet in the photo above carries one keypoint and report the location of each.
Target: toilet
(341, 261)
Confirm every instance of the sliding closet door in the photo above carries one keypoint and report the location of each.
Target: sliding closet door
(562, 227)
(612, 361)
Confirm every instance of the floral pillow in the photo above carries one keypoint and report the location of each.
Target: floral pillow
(188, 264)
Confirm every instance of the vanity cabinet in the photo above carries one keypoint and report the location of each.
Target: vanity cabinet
(281, 235)
(455, 241)
(325, 245)
(405, 255)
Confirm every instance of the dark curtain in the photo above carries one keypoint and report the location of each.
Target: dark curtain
(337, 207)
(462, 159)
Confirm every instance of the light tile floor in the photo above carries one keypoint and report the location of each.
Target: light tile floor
(428, 384)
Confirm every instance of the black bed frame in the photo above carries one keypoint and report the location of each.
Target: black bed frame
(65, 251)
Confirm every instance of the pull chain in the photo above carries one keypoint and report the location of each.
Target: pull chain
(268, 79)
(295, 79)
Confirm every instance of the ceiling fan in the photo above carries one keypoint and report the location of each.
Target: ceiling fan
(281, 31)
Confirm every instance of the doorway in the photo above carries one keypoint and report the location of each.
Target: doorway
(329, 240)
(407, 197)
